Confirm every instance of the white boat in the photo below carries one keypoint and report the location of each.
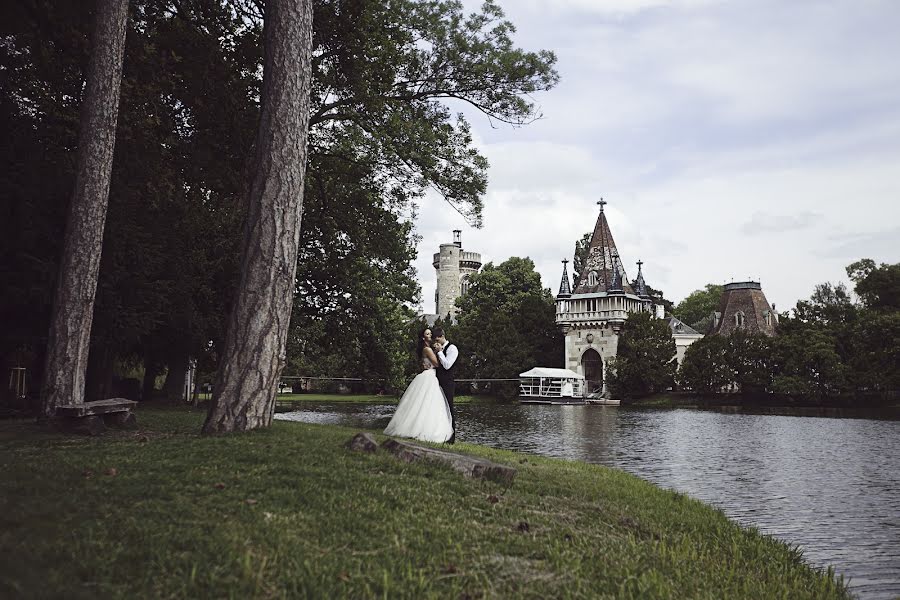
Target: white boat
(546, 385)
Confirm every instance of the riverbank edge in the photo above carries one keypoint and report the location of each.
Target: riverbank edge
(141, 513)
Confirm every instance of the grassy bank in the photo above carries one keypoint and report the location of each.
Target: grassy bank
(288, 512)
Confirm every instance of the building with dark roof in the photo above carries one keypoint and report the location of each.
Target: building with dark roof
(592, 314)
(744, 306)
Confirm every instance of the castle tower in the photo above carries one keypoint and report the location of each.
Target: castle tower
(453, 266)
(744, 306)
(592, 315)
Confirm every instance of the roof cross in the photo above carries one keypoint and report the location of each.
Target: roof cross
(602, 203)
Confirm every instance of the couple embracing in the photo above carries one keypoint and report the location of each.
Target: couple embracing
(425, 411)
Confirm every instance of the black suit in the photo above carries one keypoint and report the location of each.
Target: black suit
(447, 380)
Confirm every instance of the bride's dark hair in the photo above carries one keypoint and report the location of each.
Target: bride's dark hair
(420, 347)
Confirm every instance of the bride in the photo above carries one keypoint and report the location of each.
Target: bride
(423, 412)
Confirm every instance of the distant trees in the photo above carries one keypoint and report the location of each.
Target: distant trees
(705, 367)
(699, 304)
(506, 324)
(645, 358)
(829, 346)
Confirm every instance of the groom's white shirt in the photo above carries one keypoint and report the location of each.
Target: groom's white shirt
(450, 357)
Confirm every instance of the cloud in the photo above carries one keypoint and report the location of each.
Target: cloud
(881, 246)
(769, 223)
(733, 140)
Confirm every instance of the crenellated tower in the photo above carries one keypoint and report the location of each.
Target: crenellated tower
(453, 266)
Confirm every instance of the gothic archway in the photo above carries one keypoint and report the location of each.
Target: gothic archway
(592, 367)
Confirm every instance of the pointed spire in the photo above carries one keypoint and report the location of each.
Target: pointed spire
(602, 261)
(564, 289)
(640, 286)
(615, 285)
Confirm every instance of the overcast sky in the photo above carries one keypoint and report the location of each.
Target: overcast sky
(744, 139)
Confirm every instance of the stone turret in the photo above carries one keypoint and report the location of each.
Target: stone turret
(453, 266)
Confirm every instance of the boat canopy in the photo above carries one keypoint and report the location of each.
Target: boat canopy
(550, 372)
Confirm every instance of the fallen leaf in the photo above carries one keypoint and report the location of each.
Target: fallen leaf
(250, 501)
(450, 568)
(112, 472)
(87, 473)
(523, 527)
(219, 486)
(493, 499)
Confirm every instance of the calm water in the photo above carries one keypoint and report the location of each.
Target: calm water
(831, 486)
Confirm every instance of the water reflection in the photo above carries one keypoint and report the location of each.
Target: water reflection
(831, 486)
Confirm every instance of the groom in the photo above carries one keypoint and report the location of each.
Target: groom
(446, 373)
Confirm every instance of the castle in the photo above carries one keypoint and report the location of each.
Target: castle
(453, 266)
(592, 315)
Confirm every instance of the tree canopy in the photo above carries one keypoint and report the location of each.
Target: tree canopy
(699, 304)
(506, 324)
(645, 358)
(390, 83)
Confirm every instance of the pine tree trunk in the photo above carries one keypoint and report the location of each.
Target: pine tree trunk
(73, 304)
(254, 351)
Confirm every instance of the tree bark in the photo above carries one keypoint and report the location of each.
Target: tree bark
(254, 351)
(73, 304)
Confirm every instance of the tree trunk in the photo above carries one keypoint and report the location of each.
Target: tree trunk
(73, 303)
(254, 351)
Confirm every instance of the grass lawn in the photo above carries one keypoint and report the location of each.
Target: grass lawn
(290, 513)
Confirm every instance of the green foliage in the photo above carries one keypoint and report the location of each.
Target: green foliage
(829, 346)
(808, 364)
(506, 324)
(645, 359)
(582, 247)
(381, 134)
(749, 356)
(829, 306)
(705, 368)
(877, 286)
(699, 304)
(873, 362)
(289, 512)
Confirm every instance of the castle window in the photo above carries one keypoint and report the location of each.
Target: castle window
(464, 285)
(739, 319)
(592, 278)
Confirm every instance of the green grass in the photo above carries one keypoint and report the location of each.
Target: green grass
(288, 512)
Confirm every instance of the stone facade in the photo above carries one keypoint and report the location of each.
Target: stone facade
(453, 266)
(592, 316)
(744, 306)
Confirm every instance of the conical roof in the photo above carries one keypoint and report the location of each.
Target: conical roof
(565, 290)
(639, 285)
(602, 260)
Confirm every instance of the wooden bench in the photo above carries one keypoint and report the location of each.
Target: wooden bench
(92, 418)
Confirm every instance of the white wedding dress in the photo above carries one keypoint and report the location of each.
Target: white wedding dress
(423, 412)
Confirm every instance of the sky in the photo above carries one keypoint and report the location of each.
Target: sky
(732, 140)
